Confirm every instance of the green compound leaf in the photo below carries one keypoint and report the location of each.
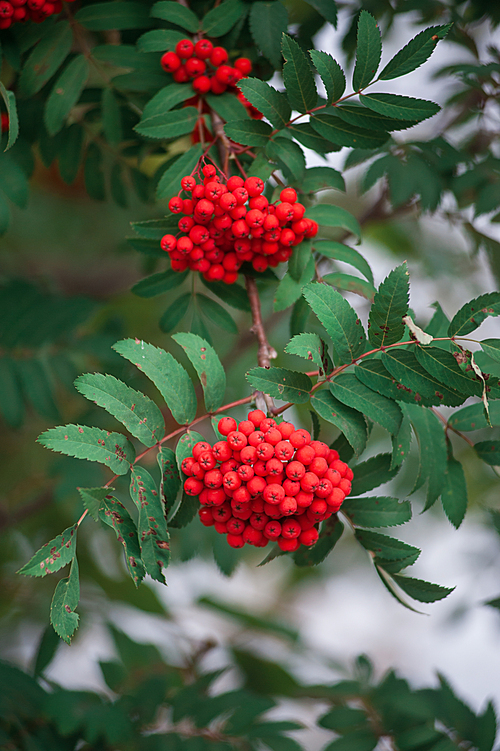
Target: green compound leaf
(115, 515)
(92, 499)
(330, 533)
(489, 452)
(281, 383)
(53, 555)
(321, 178)
(368, 51)
(473, 313)
(421, 590)
(168, 124)
(423, 386)
(328, 215)
(374, 472)
(349, 390)
(312, 348)
(132, 408)
(9, 99)
(414, 53)
(339, 319)
(268, 21)
(297, 76)
(443, 366)
(157, 284)
(93, 444)
(170, 182)
(345, 254)
(349, 421)
(248, 132)
(473, 417)
(216, 314)
(45, 58)
(331, 73)
(289, 156)
(219, 21)
(385, 324)
(273, 104)
(65, 94)
(170, 480)
(66, 596)
(376, 511)
(431, 440)
(454, 492)
(153, 535)
(177, 14)
(400, 107)
(336, 130)
(167, 374)
(206, 362)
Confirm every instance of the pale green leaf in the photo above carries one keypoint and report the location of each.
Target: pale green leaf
(374, 511)
(400, 107)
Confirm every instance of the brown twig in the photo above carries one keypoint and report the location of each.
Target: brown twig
(265, 352)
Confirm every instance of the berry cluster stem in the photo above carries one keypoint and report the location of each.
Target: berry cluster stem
(265, 352)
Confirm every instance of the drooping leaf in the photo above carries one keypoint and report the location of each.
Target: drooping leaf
(297, 76)
(368, 51)
(227, 106)
(273, 104)
(65, 94)
(53, 556)
(66, 597)
(431, 441)
(232, 294)
(159, 40)
(443, 366)
(153, 536)
(454, 492)
(356, 114)
(311, 347)
(377, 511)
(416, 52)
(338, 131)
(305, 134)
(406, 368)
(400, 107)
(93, 444)
(473, 417)
(45, 58)
(330, 533)
(157, 284)
(268, 21)
(111, 117)
(92, 498)
(177, 14)
(170, 181)
(289, 156)
(281, 383)
(170, 481)
(289, 289)
(9, 99)
(339, 319)
(492, 348)
(374, 472)
(388, 550)
(113, 513)
(421, 590)
(350, 283)
(221, 19)
(132, 408)
(206, 362)
(216, 314)
(326, 8)
(168, 124)
(185, 512)
(334, 216)
(331, 74)
(349, 390)
(46, 650)
(167, 374)
(345, 254)
(489, 452)
(249, 132)
(385, 324)
(321, 178)
(349, 421)
(473, 313)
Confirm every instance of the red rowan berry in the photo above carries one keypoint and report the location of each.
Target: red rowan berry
(204, 208)
(274, 467)
(184, 48)
(187, 465)
(349, 474)
(201, 84)
(198, 192)
(333, 476)
(231, 262)
(256, 485)
(244, 65)
(246, 427)
(170, 62)
(265, 451)
(235, 541)
(222, 513)
(273, 493)
(305, 455)
(207, 460)
(175, 205)
(341, 467)
(213, 479)
(260, 264)
(245, 471)
(309, 482)
(241, 494)
(304, 499)
(272, 510)
(287, 237)
(313, 229)
(288, 506)
(290, 528)
(345, 486)
(181, 75)
(304, 521)
(295, 470)
(242, 511)
(298, 211)
(203, 49)
(318, 465)
(291, 487)
(206, 517)
(184, 245)
(187, 206)
(235, 182)
(273, 436)
(288, 195)
(192, 486)
(256, 437)
(195, 67)
(267, 423)
(258, 520)
(241, 195)
(218, 56)
(284, 212)
(283, 450)
(272, 530)
(320, 448)
(220, 527)
(216, 86)
(228, 202)
(216, 497)
(257, 504)
(308, 536)
(260, 467)
(168, 242)
(259, 203)
(335, 499)
(237, 440)
(248, 454)
(185, 223)
(230, 465)
(300, 438)
(203, 497)
(324, 488)
(318, 507)
(254, 186)
(252, 536)
(231, 480)
(255, 218)
(287, 544)
(226, 425)
(199, 448)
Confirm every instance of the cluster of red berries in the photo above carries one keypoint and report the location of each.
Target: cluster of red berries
(219, 232)
(12, 11)
(266, 481)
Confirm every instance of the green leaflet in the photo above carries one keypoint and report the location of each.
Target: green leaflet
(11, 398)
(281, 383)
(169, 124)
(328, 215)
(492, 348)
(489, 452)
(454, 492)
(305, 134)
(349, 390)
(376, 511)
(350, 283)
(349, 421)
(53, 556)
(170, 182)
(248, 132)
(311, 347)
(389, 552)
(431, 440)
(65, 599)
(170, 480)
(289, 289)
(330, 533)
(416, 52)
(421, 590)
(45, 58)
(167, 374)
(358, 740)
(289, 156)
(368, 51)
(65, 94)
(331, 74)
(400, 107)
(268, 21)
(185, 512)
(406, 367)
(153, 536)
(124, 14)
(326, 8)
(321, 178)
(443, 366)
(339, 319)
(132, 408)
(473, 313)
(232, 294)
(216, 314)
(297, 76)
(115, 515)
(345, 254)
(111, 117)
(154, 229)
(159, 40)
(185, 445)
(401, 442)
(9, 99)
(218, 21)
(227, 106)
(162, 102)
(273, 104)
(177, 14)
(92, 499)
(336, 130)
(206, 362)
(374, 472)
(300, 261)
(343, 719)
(93, 444)
(473, 417)
(385, 325)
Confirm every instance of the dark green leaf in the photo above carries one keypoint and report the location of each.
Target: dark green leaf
(321, 178)
(349, 390)
(216, 314)
(443, 366)
(93, 174)
(115, 515)
(154, 229)
(65, 94)
(177, 14)
(376, 511)
(175, 313)
(153, 536)
(132, 408)
(169, 124)
(221, 19)
(330, 533)
(326, 8)
(38, 387)
(311, 347)
(289, 289)
(289, 156)
(297, 76)
(414, 53)
(13, 183)
(349, 421)
(359, 740)
(170, 480)
(264, 676)
(185, 512)
(66, 597)
(208, 366)
(368, 51)
(454, 492)
(486, 728)
(473, 313)
(170, 182)
(159, 40)
(432, 445)
(489, 452)
(46, 651)
(339, 319)
(328, 215)
(305, 134)
(93, 444)
(268, 22)
(400, 107)
(281, 383)
(406, 367)
(374, 472)
(492, 348)
(117, 186)
(388, 549)
(46, 58)
(361, 116)
(70, 152)
(342, 719)
(337, 131)
(157, 284)
(9, 99)
(401, 442)
(163, 101)
(11, 400)
(473, 417)
(345, 254)
(350, 283)
(232, 294)
(227, 106)
(111, 117)
(421, 590)
(249, 132)
(53, 556)
(167, 374)
(121, 15)
(92, 499)
(385, 324)
(225, 556)
(300, 260)
(331, 74)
